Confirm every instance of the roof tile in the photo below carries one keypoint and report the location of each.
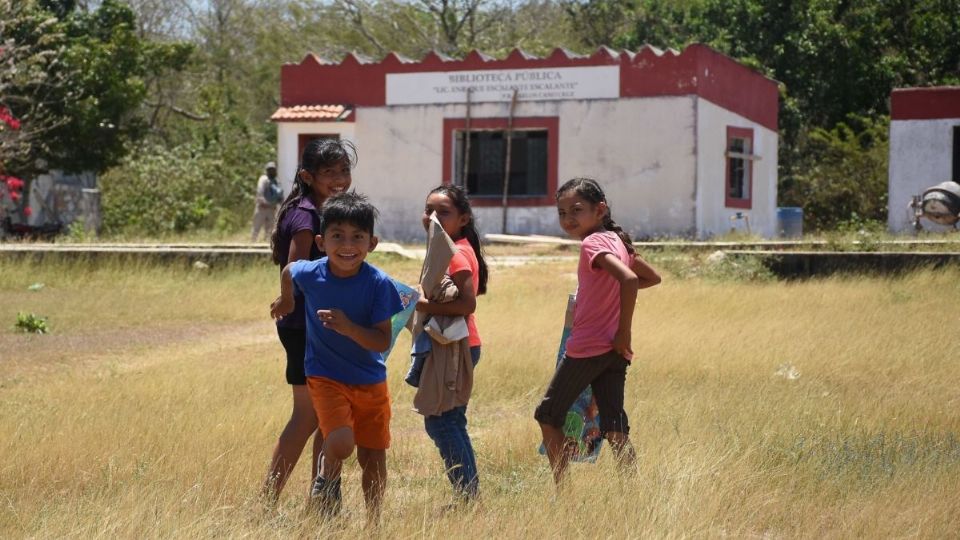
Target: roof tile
(313, 113)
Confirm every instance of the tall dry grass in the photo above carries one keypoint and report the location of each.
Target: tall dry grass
(814, 409)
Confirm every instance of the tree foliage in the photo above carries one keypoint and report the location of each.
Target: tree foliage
(31, 76)
(203, 183)
(204, 74)
(76, 79)
(834, 58)
(842, 175)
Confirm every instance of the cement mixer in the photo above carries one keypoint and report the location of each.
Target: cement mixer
(940, 204)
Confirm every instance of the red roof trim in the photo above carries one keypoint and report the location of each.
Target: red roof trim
(930, 103)
(698, 70)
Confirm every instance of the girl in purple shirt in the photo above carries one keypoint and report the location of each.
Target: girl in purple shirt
(323, 172)
(598, 349)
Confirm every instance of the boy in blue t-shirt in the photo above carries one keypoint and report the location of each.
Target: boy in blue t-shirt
(349, 303)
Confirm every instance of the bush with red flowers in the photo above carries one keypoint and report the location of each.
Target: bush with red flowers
(14, 186)
(13, 191)
(7, 118)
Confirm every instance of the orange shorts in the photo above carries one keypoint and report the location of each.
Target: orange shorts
(364, 408)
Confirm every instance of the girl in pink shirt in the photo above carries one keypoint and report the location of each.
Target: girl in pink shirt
(598, 349)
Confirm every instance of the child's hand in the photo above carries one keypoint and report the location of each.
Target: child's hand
(279, 308)
(422, 301)
(335, 320)
(621, 343)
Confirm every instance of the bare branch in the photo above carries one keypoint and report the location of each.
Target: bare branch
(182, 112)
(355, 9)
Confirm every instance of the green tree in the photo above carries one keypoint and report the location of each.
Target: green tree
(76, 77)
(834, 58)
(205, 182)
(603, 22)
(109, 63)
(31, 80)
(842, 174)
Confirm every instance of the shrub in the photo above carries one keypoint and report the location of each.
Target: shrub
(198, 185)
(30, 323)
(844, 174)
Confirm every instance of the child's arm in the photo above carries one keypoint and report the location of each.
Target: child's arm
(284, 303)
(464, 304)
(629, 283)
(300, 245)
(376, 339)
(647, 275)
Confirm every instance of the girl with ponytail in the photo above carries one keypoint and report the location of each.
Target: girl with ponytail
(323, 172)
(468, 271)
(599, 349)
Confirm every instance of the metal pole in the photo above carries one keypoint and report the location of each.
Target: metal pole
(466, 146)
(506, 172)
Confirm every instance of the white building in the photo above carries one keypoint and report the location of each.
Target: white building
(924, 148)
(681, 142)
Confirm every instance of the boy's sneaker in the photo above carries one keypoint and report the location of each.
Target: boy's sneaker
(326, 496)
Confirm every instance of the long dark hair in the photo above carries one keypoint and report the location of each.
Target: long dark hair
(469, 231)
(590, 190)
(317, 154)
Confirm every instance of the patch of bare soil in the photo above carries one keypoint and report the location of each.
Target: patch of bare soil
(27, 355)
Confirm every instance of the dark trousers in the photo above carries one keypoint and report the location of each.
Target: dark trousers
(604, 374)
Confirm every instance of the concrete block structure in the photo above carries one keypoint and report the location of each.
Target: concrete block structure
(681, 141)
(924, 149)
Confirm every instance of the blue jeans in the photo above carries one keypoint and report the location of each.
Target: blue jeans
(449, 433)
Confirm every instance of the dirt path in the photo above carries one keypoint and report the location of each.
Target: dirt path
(25, 357)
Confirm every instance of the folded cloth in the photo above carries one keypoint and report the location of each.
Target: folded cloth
(440, 250)
(446, 379)
(446, 330)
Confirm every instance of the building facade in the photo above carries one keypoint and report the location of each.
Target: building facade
(924, 149)
(685, 144)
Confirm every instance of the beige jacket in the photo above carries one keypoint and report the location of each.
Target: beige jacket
(447, 378)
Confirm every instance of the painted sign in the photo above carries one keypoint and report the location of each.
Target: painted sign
(594, 82)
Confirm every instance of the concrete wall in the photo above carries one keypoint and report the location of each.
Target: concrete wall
(60, 197)
(643, 153)
(287, 146)
(641, 150)
(921, 156)
(713, 216)
(660, 159)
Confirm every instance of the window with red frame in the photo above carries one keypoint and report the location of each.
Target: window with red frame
(534, 149)
(487, 161)
(740, 158)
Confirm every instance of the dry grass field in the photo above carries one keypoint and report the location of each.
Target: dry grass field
(827, 408)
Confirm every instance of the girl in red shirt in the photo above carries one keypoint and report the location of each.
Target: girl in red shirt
(468, 270)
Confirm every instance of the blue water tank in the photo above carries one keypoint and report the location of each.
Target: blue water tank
(789, 222)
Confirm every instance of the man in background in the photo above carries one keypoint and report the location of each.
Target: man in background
(269, 195)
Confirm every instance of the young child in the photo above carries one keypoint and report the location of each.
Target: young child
(324, 171)
(349, 303)
(468, 270)
(598, 349)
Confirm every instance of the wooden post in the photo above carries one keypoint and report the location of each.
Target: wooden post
(466, 146)
(506, 171)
